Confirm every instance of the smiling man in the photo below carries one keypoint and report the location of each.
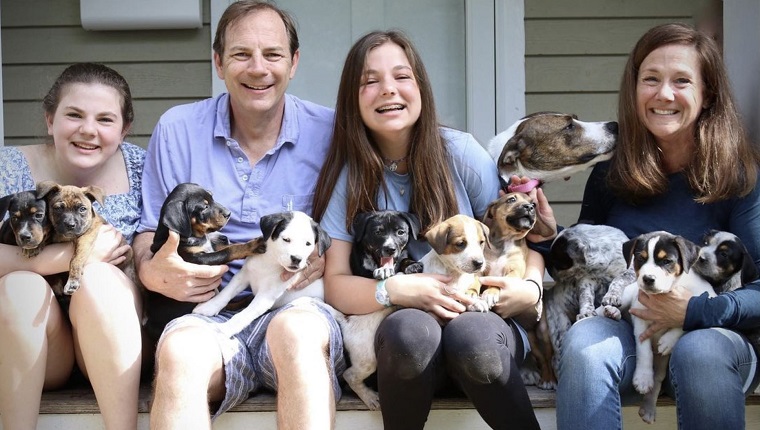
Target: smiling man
(259, 151)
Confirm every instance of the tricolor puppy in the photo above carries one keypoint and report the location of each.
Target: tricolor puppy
(27, 225)
(73, 219)
(458, 252)
(661, 261)
(548, 146)
(191, 212)
(291, 237)
(509, 219)
(378, 252)
(724, 262)
(379, 246)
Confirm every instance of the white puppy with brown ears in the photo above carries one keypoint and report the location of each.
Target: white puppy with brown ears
(290, 239)
(458, 251)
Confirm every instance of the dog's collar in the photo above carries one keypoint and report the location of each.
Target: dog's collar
(524, 188)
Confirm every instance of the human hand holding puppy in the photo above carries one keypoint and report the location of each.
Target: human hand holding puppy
(427, 292)
(167, 273)
(108, 247)
(664, 311)
(314, 270)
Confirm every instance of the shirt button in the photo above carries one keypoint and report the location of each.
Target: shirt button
(240, 159)
(244, 177)
(229, 143)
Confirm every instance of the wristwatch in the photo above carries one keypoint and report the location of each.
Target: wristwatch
(381, 294)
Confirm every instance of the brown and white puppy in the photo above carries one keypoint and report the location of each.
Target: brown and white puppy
(458, 252)
(191, 211)
(509, 219)
(291, 237)
(661, 261)
(549, 145)
(27, 225)
(73, 219)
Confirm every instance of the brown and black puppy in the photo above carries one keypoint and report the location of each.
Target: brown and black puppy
(380, 240)
(509, 219)
(27, 225)
(74, 219)
(549, 145)
(190, 211)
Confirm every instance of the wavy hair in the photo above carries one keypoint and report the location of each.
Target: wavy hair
(432, 196)
(725, 163)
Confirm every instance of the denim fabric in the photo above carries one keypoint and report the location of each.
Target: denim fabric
(711, 371)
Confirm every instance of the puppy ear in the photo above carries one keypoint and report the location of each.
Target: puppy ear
(414, 223)
(689, 252)
(749, 270)
(486, 234)
(94, 193)
(359, 226)
(5, 203)
(490, 212)
(323, 240)
(45, 187)
(629, 247)
(438, 236)
(270, 224)
(176, 218)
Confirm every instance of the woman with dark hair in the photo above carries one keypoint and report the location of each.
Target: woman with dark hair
(682, 164)
(394, 155)
(88, 112)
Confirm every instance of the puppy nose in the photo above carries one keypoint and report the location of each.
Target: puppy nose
(477, 264)
(648, 279)
(389, 250)
(295, 259)
(530, 207)
(25, 235)
(612, 127)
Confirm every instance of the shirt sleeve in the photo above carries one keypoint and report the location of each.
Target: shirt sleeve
(739, 309)
(155, 186)
(334, 219)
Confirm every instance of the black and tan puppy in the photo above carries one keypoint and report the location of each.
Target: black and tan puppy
(380, 239)
(725, 262)
(190, 211)
(73, 219)
(509, 219)
(27, 225)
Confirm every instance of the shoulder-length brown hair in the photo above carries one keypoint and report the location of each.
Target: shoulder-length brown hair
(725, 163)
(433, 198)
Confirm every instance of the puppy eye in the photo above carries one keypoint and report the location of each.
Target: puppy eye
(286, 239)
(461, 244)
(512, 199)
(82, 209)
(39, 216)
(401, 232)
(570, 126)
(14, 218)
(308, 243)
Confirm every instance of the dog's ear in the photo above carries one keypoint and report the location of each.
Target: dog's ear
(629, 247)
(94, 193)
(749, 270)
(689, 252)
(176, 218)
(45, 187)
(414, 223)
(486, 233)
(5, 203)
(489, 215)
(271, 224)
(359, 226)
(512, 150)
(438, 236)
(323, 239)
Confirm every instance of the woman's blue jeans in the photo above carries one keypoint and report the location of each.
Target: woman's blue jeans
(710, 373)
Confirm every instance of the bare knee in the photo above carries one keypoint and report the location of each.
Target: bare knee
(23, 295)
(187, 352)
(297, 333)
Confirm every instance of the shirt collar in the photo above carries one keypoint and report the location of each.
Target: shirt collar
(289, 130)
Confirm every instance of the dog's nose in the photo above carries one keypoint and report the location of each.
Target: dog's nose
(295, 259)
(648, 279)
(477, 264)
(25, 235)
(612, 127)
(389, 250)
(529, 207)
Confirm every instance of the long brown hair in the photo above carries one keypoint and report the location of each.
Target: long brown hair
(725, 163)
(433, 198)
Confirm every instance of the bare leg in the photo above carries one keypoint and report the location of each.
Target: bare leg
(298, 342)
(32, 327)
(104, 314)
(190, 373)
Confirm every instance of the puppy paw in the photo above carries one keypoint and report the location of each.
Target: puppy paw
(643, 380)
(490, 296)
(610, 311)
(647, 414)
(584, 315)
(478, 306)
(206, 308)
(383, 272)
(71, 286)
(667, 342)
(611, 300)
(413, 268)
